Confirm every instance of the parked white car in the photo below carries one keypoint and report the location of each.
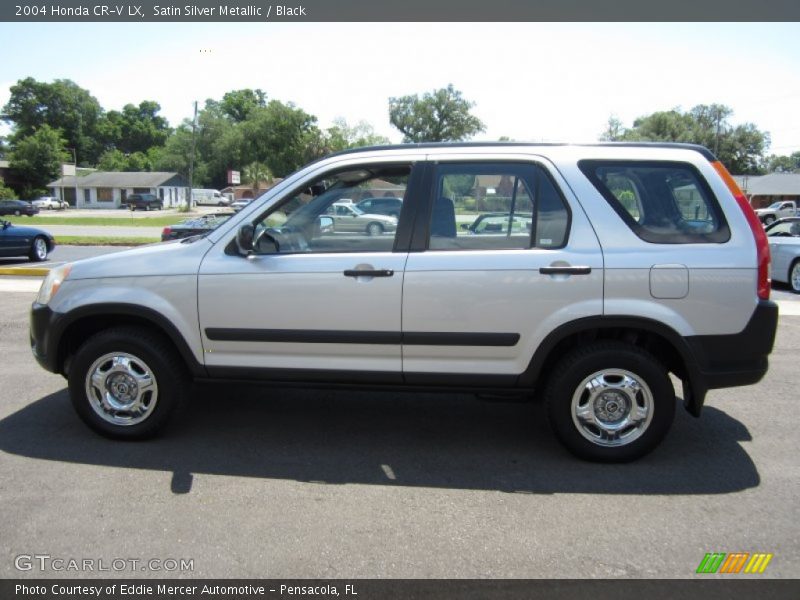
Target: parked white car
(784, 247)
(50, 203)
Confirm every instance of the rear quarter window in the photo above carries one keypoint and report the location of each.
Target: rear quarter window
(662, 202)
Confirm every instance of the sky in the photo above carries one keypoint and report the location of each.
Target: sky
(557, 82)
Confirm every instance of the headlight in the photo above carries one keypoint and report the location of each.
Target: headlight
(52, 282)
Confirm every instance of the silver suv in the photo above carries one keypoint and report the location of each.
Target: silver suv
(619, 265)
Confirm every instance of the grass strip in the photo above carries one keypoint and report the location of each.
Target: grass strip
(120, 221)
(92, 240)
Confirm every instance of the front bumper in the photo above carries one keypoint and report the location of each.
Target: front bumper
(44, 350)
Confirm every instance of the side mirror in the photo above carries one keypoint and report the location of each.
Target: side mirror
(465, 226)
(244, 238)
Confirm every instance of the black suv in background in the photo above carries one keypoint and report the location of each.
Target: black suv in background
(381, 206)
(144, 202)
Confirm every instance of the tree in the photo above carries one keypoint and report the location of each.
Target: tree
(740, 148)
(176, 153)
(61, 105)
(255, 173)
(783, 164)
(135, 129)
(280, 135)
(342, 136)
(6, 193)
(439, 116)
(114, 160)
(614, 130)
(37, 158)
(239, 104)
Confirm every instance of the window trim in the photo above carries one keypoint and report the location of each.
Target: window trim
(421, 237)
(723, 233)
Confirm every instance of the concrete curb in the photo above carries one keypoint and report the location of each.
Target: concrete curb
(25, 271)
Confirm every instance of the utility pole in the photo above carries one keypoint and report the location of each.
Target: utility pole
(189, 200)
(75, 161)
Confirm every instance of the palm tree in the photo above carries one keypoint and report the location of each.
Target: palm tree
(256, 173)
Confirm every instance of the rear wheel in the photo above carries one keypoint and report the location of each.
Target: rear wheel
(16, 213)
(374, 229)
(769, 220)
(794, 276)
(126, 383)
(610, 402)
(38, 251)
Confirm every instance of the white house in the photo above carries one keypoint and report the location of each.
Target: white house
(110, 189)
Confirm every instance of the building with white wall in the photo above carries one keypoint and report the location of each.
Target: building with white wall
(110, 189)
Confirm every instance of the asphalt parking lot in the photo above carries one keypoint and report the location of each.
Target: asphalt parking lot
(254, 482)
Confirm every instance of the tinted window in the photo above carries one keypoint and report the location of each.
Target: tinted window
(662, 202)
(496, 206)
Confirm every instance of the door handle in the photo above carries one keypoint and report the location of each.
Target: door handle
(368, 273)
(565, 270)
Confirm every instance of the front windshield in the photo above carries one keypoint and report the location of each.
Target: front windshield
(776, 205)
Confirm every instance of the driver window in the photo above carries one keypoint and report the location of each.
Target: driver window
(334, 214)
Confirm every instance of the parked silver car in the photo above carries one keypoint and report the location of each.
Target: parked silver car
(641, 261)
(784, 246)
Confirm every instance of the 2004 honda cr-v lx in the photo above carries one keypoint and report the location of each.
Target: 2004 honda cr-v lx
(620, 264)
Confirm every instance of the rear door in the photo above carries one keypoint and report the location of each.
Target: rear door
(478, 300)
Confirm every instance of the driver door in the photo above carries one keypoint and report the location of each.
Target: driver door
(310, 302)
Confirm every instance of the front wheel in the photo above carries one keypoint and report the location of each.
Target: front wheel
(769, 220)
(610, 402)
(38, 251)
(794, 276)
(126, 383)
(374, 229)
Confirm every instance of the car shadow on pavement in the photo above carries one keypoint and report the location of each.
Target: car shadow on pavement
(392, 439)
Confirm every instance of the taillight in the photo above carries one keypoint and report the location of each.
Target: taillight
(166, 231)
(762, 245)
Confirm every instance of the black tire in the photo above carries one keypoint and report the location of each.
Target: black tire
(374, 229)
(39, 249)
(769, 220)
(794, 283)
(151, 350)
(608, 360)
(16, 213)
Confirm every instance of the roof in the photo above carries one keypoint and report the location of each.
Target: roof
(707, 154)
(121, 179)
(774, 184)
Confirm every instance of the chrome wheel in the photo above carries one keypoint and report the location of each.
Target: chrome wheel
(794, 277)
(39, 248)
(612, 407)
(374, 229)
(121, 388)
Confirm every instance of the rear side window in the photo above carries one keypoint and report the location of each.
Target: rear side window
(662, 202)
(496, 206)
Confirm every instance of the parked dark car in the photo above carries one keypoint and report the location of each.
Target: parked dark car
(16, 240)
(381, 206)
(194, 226)
(144, 202)
(17, 207)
